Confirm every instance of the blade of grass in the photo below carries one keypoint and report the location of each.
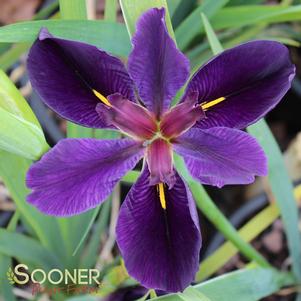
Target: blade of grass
(212, 38)
(111, 10)
(27, 250)
(192, 25)
(111, 37)
(238, 16)
(131, 176)
(173, 6)
(14, 52)
(8, 58)
(75, 9)
(89, 226)
(191, 294)
(90, 254)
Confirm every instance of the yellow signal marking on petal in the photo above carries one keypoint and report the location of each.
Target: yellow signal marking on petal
(162, 195)
(212, 103)
(101, 97)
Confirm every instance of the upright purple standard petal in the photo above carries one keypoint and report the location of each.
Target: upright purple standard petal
(79, 174)
(64, 73)
(160, 246)
(157, 67)
(220, 156)
(253, 77)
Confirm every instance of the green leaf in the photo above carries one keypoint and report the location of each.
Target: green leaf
(249, 284)
(192, 25)
(111, 37)
(106, 134)
(282, 189)
(71, 237)
(75, 9)
(87, 230)
(111, 10)
(131, 176)
(173, 5)
(90, 254)
(212, 38)
(12, 100)
(8, 58)
(14, 52)
(132, 10)
(20, 131)
(21, 137)
(27, 250)
(238, 16)
(191, 294)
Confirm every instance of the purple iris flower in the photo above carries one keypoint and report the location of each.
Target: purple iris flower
(158, 229)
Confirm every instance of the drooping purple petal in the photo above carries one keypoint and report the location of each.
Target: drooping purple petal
(160, 162)
(79, 174)
(157, 67)
(160, 247)
(64, 73)
(253, 77)
(220, 156)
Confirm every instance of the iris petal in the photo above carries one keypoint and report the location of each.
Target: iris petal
(220, 156)
(157, 67)
(129, 117)
(160, 162)
(253, 77)
(160, 246)
(64, 73)
(79, 174)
